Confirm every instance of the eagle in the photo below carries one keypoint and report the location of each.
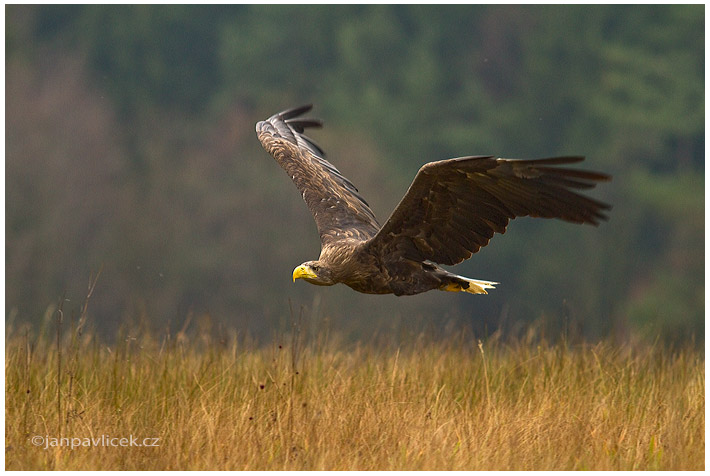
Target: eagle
(451, 210)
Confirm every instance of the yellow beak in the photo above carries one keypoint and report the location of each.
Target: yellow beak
(303, 272)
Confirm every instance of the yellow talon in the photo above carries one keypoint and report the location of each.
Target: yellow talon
(451, 287)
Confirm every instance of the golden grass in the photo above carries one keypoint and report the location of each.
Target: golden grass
(426, 405)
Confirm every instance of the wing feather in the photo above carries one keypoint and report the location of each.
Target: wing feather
(454, 207)
(340, 212)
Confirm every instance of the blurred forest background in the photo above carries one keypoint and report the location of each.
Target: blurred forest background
(130, 148)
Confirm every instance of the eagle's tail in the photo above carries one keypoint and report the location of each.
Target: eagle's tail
(467, 285)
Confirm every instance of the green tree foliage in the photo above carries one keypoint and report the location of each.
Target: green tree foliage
(130, 145)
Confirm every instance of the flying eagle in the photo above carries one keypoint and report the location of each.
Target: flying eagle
(452, 209)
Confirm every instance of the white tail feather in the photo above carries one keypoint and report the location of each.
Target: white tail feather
(476, 286)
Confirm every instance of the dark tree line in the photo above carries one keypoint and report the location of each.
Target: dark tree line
(130, 146)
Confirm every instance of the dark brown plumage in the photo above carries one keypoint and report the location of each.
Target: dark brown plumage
(452, 209)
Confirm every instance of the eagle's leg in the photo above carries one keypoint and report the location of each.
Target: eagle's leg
(467, 285)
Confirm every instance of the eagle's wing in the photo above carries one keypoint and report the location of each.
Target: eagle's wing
(453, 207)
(339, 210)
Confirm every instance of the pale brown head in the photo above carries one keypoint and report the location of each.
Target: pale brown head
(314, 272)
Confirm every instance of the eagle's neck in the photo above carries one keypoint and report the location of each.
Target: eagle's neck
(342, 258)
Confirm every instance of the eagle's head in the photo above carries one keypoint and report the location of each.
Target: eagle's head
(315, 272)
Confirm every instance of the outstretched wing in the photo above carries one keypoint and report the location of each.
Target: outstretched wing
(339, 210)
(453, 207)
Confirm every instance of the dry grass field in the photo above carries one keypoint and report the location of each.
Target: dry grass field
(316, 404)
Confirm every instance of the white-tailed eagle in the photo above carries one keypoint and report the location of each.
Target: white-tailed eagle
(452, 209)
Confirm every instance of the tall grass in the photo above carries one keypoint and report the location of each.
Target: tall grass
(309, 404)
